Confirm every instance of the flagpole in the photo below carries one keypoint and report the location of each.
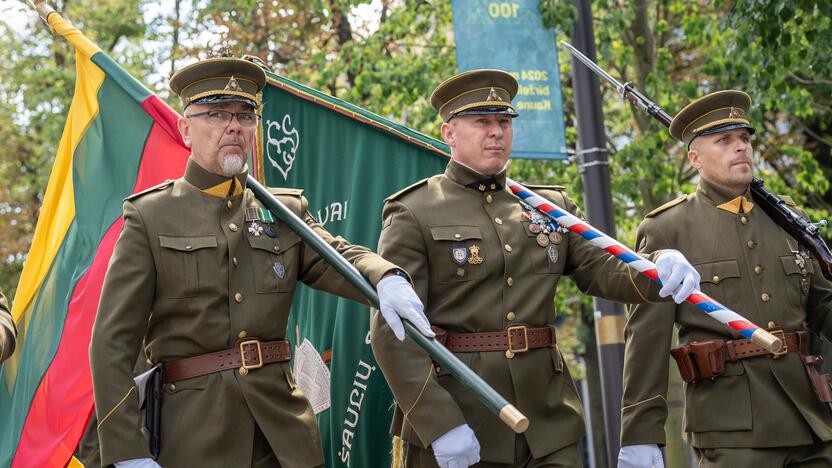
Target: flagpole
(510, 415)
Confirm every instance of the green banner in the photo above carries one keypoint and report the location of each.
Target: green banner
(348, 161)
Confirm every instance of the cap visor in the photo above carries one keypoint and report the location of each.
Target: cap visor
(223, 98)
(489, 110)
(726, 127)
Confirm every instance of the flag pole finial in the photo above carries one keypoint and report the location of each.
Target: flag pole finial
(43, 9)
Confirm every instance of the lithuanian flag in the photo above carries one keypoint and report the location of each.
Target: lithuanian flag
(119, 139)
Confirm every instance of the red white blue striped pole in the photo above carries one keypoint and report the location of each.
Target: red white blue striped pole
(702, 301)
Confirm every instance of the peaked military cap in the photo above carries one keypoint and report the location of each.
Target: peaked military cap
(716, 112)
(483, 91)
(220, 79)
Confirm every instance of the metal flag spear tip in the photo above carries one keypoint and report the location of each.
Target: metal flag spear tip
(699, 299)
(509, 414)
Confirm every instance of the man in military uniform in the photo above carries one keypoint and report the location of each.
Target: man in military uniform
(8, 332)
(486, 267)
(204, 276)
(743, 405)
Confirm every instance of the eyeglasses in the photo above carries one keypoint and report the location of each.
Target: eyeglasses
(221, 118)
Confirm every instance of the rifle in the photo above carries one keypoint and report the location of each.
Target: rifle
(804, 232)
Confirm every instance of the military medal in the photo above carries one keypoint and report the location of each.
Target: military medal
(535, 228)
(255, 229)
(459, 253)
(475, 258)
(542, 239)
(260, 221)
(279, 269)
(555, 237)
(552, 251)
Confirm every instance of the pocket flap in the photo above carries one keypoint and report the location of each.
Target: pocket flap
(187, 244)
(714, 272)
(274, 245)
(455, 233)
(791, 267)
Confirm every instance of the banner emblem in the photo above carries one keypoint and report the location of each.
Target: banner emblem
(282, 141)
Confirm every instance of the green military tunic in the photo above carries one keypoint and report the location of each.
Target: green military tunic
(508, 279)
(749, 264)
(188, 277)
(8, 332)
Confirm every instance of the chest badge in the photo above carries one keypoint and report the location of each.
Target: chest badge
(279, 269)
(255, 228)
(475, 258)
(552, 251)
(459, 253)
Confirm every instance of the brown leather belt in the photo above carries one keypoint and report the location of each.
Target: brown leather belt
(794, 342)
(248, 354)
(516, 338)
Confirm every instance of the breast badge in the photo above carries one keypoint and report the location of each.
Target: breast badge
(459, 253)
(475, 258)
(279, 269)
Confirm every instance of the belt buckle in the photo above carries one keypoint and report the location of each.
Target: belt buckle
(246, 365)
(779, 333)
(525, 348)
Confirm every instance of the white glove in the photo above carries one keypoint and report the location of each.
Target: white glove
(396, 299)
(138, 463)
(640, 456)
(677, 275)
(457, 448)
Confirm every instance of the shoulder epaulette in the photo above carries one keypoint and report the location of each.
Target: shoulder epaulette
(286, 191)
(407, 189)
(155, 188)
(678, 200)
(788, 200)
(559, 188)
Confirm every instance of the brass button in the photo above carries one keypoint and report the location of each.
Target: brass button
(172, 387)
(510, 354)
(510, 281)
(510, 315)
(189, 247)
(743, 220)
(758, 269)
(243, 371)
(242, 334)
(460, 272)
(234, 260)
(457, 236)
(489, 199)
(229, 204)
(772, 325)
(438, 369)
(715, 279)
(238, 297)
(498, 220)
(750, 244)
(276, 248)
(508, 248)
(765, 297)
(803, 271)
(233, 227)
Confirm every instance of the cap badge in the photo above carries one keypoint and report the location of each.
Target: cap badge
(232, 85)
(734, 114)
(493, 96)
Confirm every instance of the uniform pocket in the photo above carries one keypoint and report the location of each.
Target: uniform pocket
(192, 263)
(798, 279)
(721, 280)
(719, 405)
(459, 256)
(275, 264)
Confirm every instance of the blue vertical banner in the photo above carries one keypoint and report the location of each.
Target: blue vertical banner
(509, 35)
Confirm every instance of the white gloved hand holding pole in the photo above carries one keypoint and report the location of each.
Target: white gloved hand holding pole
(679, 278)
(457, 448)
(398, 300)
(640, 456)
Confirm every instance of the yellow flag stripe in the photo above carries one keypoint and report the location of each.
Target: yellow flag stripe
(58, 209)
